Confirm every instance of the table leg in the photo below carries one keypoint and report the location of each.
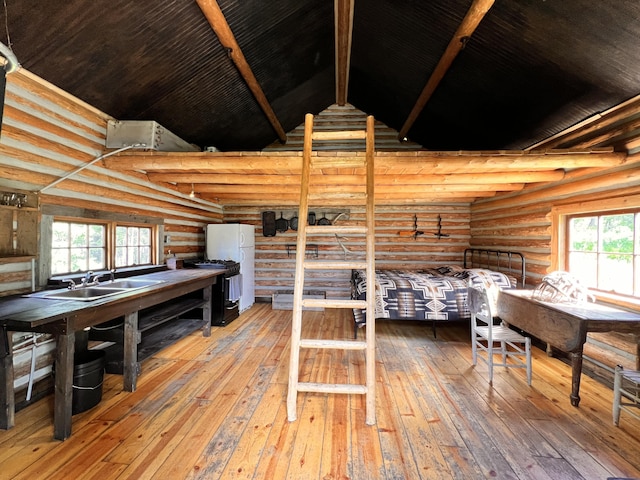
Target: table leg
(63, 386)
(7, 414)
(576, 371)
(206, 310)
(131, 340)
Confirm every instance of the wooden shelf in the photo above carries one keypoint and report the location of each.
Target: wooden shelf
(158, 327)
(15, 258)
(20, 209)
(163, 313)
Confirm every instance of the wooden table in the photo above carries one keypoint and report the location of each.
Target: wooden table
(563, 325)
(64, 318)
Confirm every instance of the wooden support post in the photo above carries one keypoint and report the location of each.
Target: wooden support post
(131, 340)
(63, 396)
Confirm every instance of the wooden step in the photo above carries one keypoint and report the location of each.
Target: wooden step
(339, 135)
(333, 303)
(335, 264)
(343, 229)
(331, 388)
(334, 344)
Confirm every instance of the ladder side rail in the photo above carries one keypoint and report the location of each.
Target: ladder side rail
(298, 287)
(371, 278)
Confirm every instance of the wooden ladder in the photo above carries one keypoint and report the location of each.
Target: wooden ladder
(302, 265)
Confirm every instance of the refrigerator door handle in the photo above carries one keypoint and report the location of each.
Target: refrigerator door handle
(242, 255)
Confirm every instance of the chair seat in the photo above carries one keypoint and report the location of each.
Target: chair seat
(500, 333)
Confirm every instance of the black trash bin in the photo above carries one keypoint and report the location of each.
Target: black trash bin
(88, 375)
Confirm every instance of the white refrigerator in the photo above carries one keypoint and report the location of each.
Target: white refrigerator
(235, 241)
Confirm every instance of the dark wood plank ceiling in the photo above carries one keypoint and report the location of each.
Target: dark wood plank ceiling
(531, 69)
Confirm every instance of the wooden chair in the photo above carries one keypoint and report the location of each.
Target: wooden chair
(626, 386)
(489, 339)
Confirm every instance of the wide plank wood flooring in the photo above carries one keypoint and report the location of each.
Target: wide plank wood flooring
(215, 407)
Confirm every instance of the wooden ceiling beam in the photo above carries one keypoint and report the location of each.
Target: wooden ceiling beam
(349, 189)
(474, 16)
(386, 162)
(257, 199)
(383, 179)
(343, 35)
(219, 24)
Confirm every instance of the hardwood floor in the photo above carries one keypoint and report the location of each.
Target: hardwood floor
(215, 408)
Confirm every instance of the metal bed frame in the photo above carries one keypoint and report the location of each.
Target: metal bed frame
(503, 261)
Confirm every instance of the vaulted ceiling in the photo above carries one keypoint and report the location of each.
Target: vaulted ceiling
(238, 75)
(484, 88)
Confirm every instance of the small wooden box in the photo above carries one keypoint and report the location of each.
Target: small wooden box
(174, 263)
(284, 300)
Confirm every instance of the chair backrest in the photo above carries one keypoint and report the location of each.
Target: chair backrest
(479, 304)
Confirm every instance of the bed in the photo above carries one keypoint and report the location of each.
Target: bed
(438, 294)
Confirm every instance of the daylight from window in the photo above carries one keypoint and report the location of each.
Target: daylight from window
(604, 252)
(77, 247)
(133, 246)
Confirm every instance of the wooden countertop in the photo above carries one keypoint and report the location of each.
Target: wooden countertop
(23, 313)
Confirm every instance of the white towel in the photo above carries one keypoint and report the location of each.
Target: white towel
(235, 287)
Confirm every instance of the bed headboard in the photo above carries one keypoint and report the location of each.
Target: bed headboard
(510, 263)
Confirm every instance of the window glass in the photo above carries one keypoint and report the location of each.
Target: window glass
(133, 246)
(80, 247)
(77, 247)
(603, 251)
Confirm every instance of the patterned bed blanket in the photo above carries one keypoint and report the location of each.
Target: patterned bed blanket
(428, 294)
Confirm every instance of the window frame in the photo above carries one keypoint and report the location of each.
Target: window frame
(110, 240)
(560, 237)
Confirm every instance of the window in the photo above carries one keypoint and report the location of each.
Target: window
(80, 246)
(603, 251)
(133, 246)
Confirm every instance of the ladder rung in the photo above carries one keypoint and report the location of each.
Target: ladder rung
(333, 303)
(339, 135)
(335, 264)
(331, 388)
(346, 229)
(335, 344)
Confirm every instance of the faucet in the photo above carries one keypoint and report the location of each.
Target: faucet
(72, 284)
(86, 278)
(113, 274)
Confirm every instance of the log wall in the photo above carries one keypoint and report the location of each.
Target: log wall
(46, 134)
(523, 221)
(275, 266)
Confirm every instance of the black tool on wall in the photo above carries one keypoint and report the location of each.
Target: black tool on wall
(269, 223)
(282, 224)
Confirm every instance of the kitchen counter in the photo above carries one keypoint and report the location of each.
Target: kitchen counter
(65, 317)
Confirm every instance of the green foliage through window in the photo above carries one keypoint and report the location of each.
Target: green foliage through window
(80, 247)
(604, 251)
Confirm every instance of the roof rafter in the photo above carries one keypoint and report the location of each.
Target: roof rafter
(219, 24)
(344, 30)
(474, 16)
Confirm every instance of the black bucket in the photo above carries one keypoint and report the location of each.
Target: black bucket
(88, 375)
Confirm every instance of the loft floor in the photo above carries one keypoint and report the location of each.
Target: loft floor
(215, 408)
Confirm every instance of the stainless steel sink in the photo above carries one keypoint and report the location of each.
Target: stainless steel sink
(95, 292)
(129, 283)
(84, 294)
